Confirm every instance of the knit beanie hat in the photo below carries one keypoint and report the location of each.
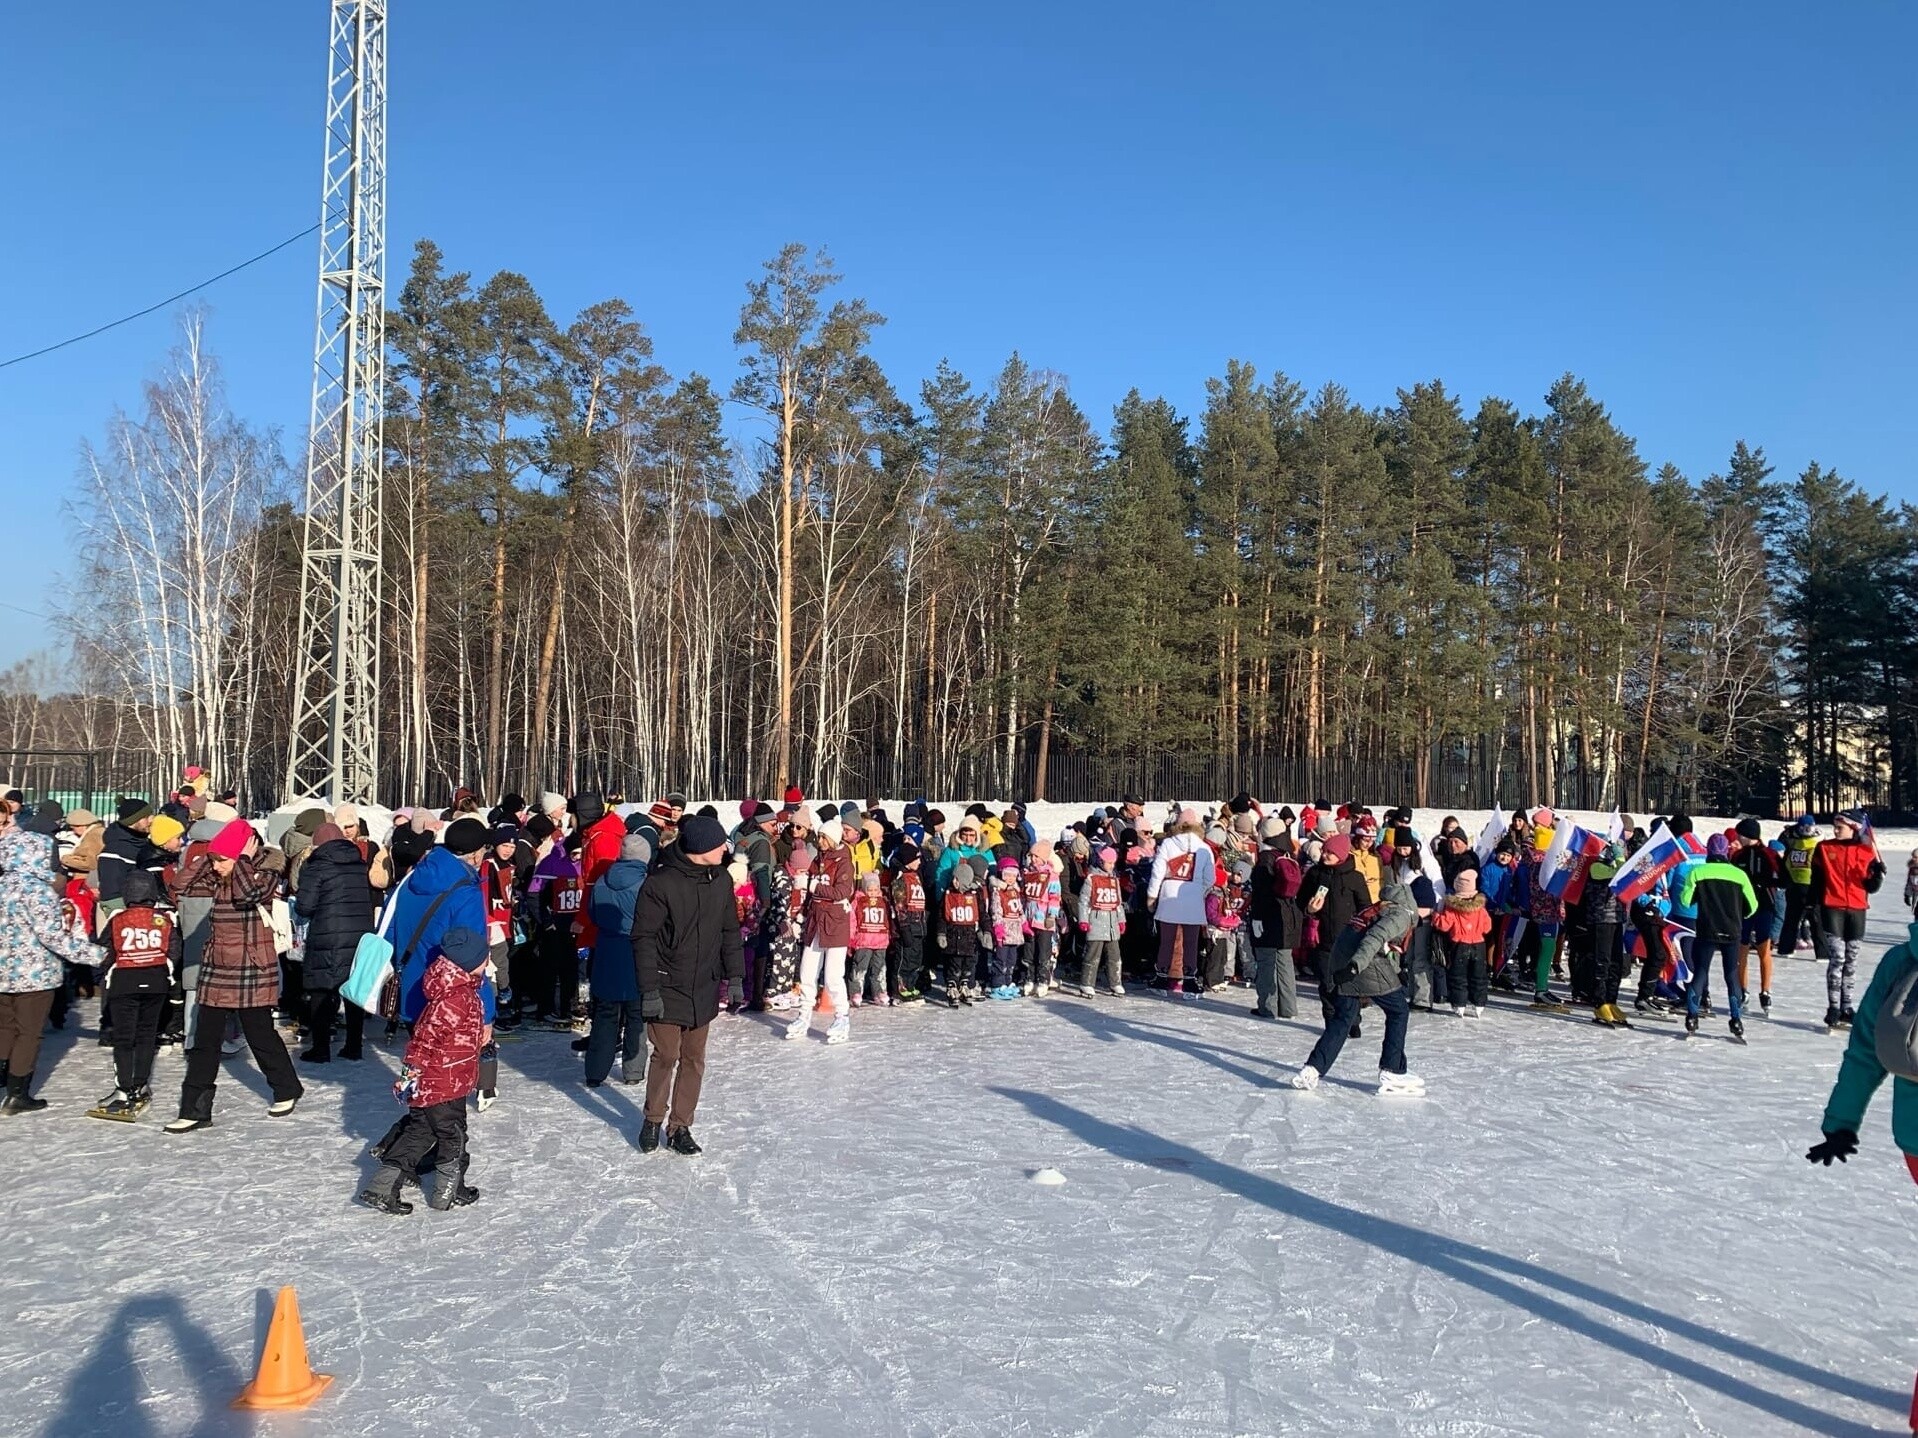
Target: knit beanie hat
(540, 828)
(1337, 849)
(1465, 882)
(465, 836)
(309, 821)
(165, 829)
(1748, 829)
(700, 834)
(906, 855)
(502, 834)
(348, 814)
(132, 811)
(551, 803)
(327, 833)
(589, 808)
(232, 839)
(1717, 847)
(49, 816)
(1108, 855)
(464, 947)
(799, 858)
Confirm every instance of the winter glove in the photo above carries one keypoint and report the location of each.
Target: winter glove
(1840, 1143)
(1085, 928)
(652, 1008)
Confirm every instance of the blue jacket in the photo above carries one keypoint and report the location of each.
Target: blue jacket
(610, 906)
(439, 871)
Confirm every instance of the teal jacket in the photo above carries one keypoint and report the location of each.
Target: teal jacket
(1861, 1073)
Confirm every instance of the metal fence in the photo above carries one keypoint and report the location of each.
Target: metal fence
(82, 779)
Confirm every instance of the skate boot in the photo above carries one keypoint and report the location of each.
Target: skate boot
(1306, 1078)
(383, 1191)
(839, 1033)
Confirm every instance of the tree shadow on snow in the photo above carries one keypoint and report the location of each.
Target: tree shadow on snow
(1498, 1276)
(106, 1392)
(1111, 1027)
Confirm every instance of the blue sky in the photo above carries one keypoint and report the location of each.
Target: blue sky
(1705, 210)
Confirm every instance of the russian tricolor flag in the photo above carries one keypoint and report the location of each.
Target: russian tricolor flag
(1579, 848)
(1641, 872)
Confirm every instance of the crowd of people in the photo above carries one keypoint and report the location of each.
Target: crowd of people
(634, 928)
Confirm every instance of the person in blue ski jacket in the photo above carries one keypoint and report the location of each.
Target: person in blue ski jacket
(451, 868)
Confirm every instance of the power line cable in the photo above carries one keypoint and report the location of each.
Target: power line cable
(162, 304)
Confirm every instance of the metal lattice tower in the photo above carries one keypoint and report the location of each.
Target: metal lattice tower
(335, 748)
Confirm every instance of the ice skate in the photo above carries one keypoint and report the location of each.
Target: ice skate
(840, 1031)
(1393, 1085)
(281, 1107)
(1306, 1078)
(797, 1028)
(116, 1106)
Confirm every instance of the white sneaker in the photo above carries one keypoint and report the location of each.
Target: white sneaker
(281, 1107)
(1400, 1085)
(840, 1031)
(797, 1028)
(1306, 1078)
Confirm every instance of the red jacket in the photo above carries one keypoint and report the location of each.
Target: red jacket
(1842, 870)
(598, 852)
(829, 910)
(443, 1058)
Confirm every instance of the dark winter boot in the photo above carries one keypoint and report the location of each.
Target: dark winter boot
(383, 1191)
(320, 1053)
(1845, 1017)
(648, 1136)
(18, 1099)
(680, 1140)
(1831, 1017)
(350, 1050)
(446, 1188)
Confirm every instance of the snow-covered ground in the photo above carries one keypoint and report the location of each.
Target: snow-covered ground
(1577, 1232)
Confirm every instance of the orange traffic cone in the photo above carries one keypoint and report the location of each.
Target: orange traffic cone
(284, 1380)
(824, 1005)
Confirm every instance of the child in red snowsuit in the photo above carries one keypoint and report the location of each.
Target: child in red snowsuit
(441, 1069)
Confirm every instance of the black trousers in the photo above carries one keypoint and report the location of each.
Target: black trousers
(437, 1131)
(203, 1057)
(1795, 905)
(1608, 954)
(136, 1034)
(323, 1016)
(555, 987)
(912, 953)
(1651, 929)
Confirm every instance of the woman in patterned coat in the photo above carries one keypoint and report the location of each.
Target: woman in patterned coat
(36, 944)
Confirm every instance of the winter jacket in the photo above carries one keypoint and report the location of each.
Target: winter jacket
(1365, 956)
(1272, 902)
(442, 1060)
(611, 906)
(238, 968)
(1801, 851)
(120, 853)
(910, 902)
(557, 896)
(1345, 897)
(949, 858)
(1182, 871)
(598, 852)
(1847, 872)
(1040, 886)
(440, 872)
(1101, 907)
(1462, 921)
(336, 900)
(1761, 866)
(1008, 910)
(1601, 904)
(1366, 861)
(829, 908)
(686, 938)
(1721, 896)
(36, 943)
(1499, 883)
(1860, 1073)
(758, 850)
(871, 920)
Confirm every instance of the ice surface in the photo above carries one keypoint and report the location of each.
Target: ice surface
(1576, 1232)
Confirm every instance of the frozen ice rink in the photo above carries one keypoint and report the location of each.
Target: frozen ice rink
(1578, 1231)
